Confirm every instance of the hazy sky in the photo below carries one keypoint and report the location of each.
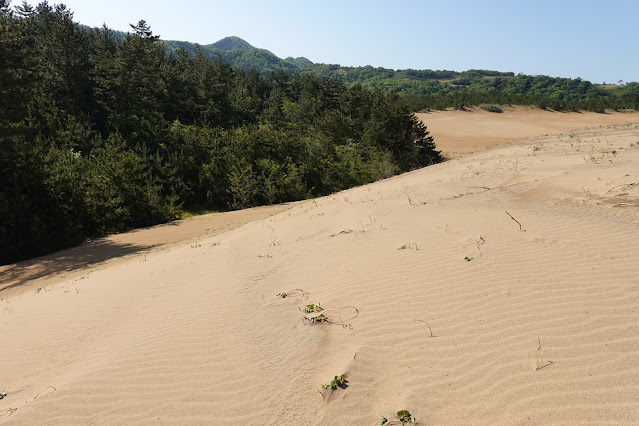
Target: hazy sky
(595, 40)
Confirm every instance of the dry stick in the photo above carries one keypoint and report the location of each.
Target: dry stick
(479, 243)
(44, 390)
(511, 216)
(431, 330)
(10, 411)
(541, 359)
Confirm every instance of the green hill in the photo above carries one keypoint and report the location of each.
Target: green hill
(231, 43)
(429, 89)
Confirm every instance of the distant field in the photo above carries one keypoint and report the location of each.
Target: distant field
(461, 132)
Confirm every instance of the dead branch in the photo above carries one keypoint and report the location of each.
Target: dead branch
(541, 358)
(479, 243)
(52, 387)
(10, 411)
(511, 216)
(431, 330)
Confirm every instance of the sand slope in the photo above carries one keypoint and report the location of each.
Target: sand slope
(74, 262)
(462, 132)
(196, 334)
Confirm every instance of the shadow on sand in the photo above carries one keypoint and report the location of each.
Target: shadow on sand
(65, 261)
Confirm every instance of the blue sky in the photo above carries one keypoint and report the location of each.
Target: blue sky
(597, 41)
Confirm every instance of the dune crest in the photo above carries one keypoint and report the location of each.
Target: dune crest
(498, 288)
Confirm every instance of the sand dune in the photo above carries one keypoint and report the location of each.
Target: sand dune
(462, 132)
(196, 333)
(74, 262)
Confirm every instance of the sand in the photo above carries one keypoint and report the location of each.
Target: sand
(540, 326)
(77, 261)
(461, 132)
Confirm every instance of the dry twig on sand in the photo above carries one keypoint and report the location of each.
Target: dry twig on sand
(52, 387)
(431, 330)
(541, 358)
(10, 411)
(479, 243)
(511, 216)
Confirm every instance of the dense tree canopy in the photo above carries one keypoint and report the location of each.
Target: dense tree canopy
(101, 133)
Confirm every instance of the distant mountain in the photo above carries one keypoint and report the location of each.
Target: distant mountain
(241, 54)
(231, 43)
(301, 62)
(435, 89)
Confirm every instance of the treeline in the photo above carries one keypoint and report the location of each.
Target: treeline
(100, 134)
(432, 89)
(428, 89)
(558, 94)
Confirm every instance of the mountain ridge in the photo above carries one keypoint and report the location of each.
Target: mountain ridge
(428, 89)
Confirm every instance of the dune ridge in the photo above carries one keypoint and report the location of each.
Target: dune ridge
(196, 334)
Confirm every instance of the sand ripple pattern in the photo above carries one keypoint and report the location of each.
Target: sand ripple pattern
(197, 335)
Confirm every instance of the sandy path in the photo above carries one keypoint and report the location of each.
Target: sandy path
(462, 132)
(196, 334)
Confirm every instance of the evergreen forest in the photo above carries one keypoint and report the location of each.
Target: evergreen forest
(103, 132)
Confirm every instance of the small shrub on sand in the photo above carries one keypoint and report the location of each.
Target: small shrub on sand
(315, 313)
(491, 108)
(403, 417)
(333, 384)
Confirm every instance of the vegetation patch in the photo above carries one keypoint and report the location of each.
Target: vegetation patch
(333, 384)
(130, 136)
(313, 313)
(403, 417)
(491, 108)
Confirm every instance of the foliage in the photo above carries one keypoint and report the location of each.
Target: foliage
(310, 308)
(103, 131)
(403, 417)
(333, 384)
(490, 107)
(430, 89)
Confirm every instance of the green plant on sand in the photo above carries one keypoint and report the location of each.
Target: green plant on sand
(315, 313)
(333, 384)
(403, 417)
